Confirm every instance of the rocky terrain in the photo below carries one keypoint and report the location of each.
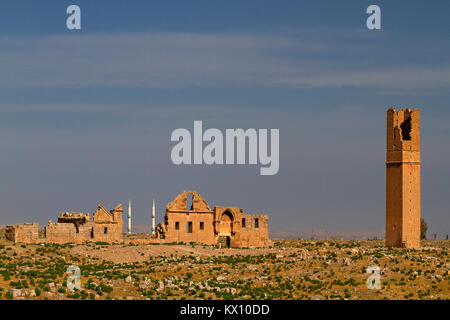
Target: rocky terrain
(290, 269)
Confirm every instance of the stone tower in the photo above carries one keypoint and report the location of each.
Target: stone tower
(403, 178)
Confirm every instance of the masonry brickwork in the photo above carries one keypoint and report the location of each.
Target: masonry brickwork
(224, 225)
(26, 233)
(76, 227)
(403, 178)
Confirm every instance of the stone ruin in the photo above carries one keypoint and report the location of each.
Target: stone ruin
(224, 225)
(76, 227)
(403, 178)
(26, 233)
(188, 218)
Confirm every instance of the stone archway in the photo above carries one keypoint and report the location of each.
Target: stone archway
(226, 222)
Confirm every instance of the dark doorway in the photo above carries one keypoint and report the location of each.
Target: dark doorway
(224, 241)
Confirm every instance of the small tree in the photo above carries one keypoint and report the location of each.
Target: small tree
(423, 229)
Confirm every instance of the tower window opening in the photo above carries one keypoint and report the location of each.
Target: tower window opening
(406, 129)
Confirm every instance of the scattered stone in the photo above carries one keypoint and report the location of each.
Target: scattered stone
(346, 262)
(16, 293)
(160, 286)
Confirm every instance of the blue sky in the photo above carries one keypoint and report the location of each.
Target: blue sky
(86, 116)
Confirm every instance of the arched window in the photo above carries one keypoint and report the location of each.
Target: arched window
(256, 223)
(243, 222)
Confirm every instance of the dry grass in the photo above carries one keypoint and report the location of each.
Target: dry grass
(291, 269)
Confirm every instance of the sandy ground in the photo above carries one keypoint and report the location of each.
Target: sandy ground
(139, 253)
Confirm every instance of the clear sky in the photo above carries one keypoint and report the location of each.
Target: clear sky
(86, 116)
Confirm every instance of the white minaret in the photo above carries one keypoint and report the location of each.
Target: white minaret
(129, 216)
(153, 218)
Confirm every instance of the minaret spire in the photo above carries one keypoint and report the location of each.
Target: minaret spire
(153, 218)
(129, 216)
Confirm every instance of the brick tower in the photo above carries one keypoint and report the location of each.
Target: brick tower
(403, 178)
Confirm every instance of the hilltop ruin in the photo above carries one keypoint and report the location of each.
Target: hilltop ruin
(224, 225)
(77, 227)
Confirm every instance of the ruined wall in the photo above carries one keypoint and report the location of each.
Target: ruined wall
(67, 232)
(181, 234)
(74, 227)
(24, 233)
(91, 231)
(403, 178)
(255, 233)
(180, 203)
(107, 232)
(108, 225)
(178, 215)
(61, 232)
(222, 225)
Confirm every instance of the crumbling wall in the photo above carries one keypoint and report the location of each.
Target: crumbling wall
(107, 232)
(255, 233)
(180, 202)
(201, 227)
(24, 233)
(201, 224)
(68, 232)
(74, 227)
